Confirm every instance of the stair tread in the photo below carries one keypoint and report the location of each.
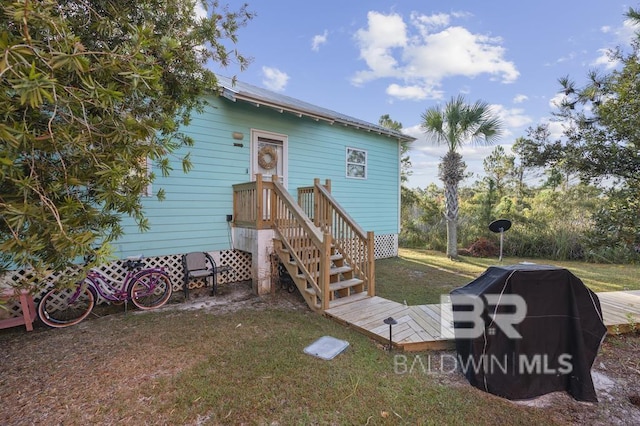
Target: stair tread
(336, 255)
(348, 299)
(340, 285)
(333, 271)
(352, 282)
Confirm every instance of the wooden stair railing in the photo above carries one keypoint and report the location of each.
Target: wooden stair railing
(328, 256)
(304, 250)
(354, 244)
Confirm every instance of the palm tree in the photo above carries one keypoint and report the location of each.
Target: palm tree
(456, 124)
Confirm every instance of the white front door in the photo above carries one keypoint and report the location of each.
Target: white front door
(269, 155)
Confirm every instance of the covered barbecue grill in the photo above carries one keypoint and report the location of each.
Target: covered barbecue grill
(561, 332)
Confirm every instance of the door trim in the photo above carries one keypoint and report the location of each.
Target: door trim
(284, 139)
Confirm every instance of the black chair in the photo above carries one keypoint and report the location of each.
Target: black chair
(201, 265)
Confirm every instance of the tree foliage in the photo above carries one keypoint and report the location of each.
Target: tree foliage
(91, 89)
(454, 125)
(405, 160)
(600, 144)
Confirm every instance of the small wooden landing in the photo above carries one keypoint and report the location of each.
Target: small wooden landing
(418, 327)
(620, 310)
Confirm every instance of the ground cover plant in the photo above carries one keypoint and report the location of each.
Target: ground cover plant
(238, 359)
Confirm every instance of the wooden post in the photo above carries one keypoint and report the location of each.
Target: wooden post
(236, 204)
(316, 198)
(327, 184)
(371, 267)
(325, 270)
(259, 201)
(273, 203)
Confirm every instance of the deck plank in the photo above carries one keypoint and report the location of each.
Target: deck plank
(419, 328)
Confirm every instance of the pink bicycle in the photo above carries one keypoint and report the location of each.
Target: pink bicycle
(147, 288)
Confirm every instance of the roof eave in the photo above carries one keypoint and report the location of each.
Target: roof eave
(283, 108)
(235, 96)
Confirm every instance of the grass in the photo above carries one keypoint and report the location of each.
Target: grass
(248, 366)
(257, 373)
(421, 276)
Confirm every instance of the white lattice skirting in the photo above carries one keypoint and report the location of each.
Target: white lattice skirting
(239, 261)
(385, 246)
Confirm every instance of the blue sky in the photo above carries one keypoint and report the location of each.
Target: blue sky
(370, 58)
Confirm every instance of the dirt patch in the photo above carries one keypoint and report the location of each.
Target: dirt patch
(65, 376)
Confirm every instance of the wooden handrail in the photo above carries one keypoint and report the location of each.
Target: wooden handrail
(308, 230)
(307, 196)
(249, 209)
(355, 245)
(310, 248)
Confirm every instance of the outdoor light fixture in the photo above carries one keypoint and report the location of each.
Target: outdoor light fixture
(237, 136)
(391, 323)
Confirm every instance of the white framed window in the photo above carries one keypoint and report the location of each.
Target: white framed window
(356, 163)
(143, 171)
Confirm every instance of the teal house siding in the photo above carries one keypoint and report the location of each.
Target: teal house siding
(193, 215)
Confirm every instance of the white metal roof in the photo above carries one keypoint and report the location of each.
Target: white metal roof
(236, 90)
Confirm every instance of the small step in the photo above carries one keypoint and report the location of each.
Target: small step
(336, 256)
(333, 271)
(340, 285)
(349, 299)
(345, 284)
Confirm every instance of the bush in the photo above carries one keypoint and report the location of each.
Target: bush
(482, 247)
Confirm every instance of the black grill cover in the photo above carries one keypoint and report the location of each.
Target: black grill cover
(561, 334)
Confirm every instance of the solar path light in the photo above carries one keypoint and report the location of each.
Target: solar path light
(391, 323)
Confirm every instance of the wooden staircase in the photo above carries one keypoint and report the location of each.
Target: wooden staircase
(328, 256)
(344, 286)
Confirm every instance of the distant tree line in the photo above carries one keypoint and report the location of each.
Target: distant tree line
(575, 197)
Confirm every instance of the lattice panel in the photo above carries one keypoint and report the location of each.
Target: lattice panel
(238, 260)
(13, 308)
(385, 246)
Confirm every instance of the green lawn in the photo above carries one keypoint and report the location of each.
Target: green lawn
(248, 366)
(421, 276)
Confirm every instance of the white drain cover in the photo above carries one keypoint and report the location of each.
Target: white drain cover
(326, 347)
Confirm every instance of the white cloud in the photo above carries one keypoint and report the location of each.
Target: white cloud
(627, 32)
(518, 99)
(384, 33)
(200, 11)
(605, 60)
(624, 34)
(427, 23)
(556, 128)
(511, 117)
(413, 92)
(274, 79)
(556, 101)
(426, 51)
(319, 40)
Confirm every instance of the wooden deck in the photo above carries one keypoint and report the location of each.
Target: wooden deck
(418, 327)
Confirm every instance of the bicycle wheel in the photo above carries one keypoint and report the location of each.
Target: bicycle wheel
(65, 307)
(150, 289)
